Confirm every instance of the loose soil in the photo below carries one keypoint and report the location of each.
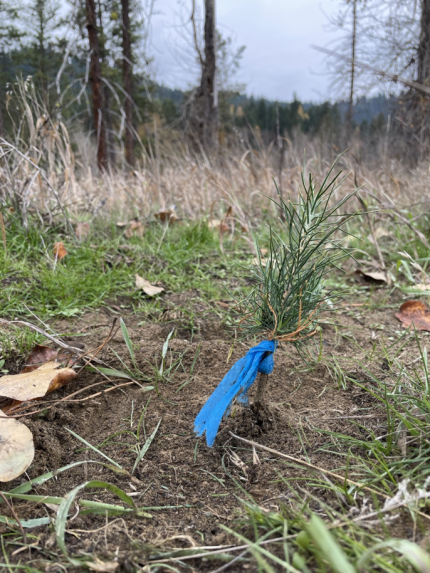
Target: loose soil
(201, 485)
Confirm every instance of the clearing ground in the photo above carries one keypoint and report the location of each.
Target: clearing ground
(191, 490)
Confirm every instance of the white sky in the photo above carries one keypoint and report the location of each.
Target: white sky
(278, 60)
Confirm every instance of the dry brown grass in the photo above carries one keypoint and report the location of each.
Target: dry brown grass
(39, 173)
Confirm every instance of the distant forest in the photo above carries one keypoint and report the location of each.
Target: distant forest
(235, 109)
(370, 115)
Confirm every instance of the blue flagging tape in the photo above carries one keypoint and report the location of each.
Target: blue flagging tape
(235, 384)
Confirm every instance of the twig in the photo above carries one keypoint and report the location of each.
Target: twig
(99, 349)
(10, 506)
(56, 341)
(308, 465)
(67, 399)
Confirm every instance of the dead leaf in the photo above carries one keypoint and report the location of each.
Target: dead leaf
(42, 354)
(147, 287)
(134, 229)
(82, 229)
(167, 215)
(264, 252)
(414, 312)
(102, 566)
(59, 251)
(377, 277)
(35, 384)
(16, 448)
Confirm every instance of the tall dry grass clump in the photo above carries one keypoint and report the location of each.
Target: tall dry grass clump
(40, 173)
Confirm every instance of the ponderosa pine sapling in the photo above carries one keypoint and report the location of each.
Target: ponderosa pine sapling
(288, 294)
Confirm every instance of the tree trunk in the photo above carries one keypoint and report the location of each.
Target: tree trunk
(423, 72)
(96, 85)
(352, 80)
(128, 81)
(205, 110)
(2, 131)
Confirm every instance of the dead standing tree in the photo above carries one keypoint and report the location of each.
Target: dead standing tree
(128, 81)
(96, 86)
(203, 112)
(348, 119)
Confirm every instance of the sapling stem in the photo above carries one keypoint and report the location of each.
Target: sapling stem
(260, 395)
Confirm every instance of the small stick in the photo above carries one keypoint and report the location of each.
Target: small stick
(259, 400)
(307, 464)
(67, 399)
(10, 506)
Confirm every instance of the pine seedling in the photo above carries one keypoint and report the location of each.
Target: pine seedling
(288, 296)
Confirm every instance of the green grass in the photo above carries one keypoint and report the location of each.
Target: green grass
(103, 267)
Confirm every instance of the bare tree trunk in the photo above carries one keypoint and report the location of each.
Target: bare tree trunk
(351, 87)
(204, 121)
(423, 73)
(107, 118)
(280, 144)
(2, 131)
(96, 85)
(128, 81)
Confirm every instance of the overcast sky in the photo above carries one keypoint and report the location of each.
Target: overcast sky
(278, 60)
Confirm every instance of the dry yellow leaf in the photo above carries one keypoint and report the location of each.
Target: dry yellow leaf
(147, 287)
(59, 251)
(35, 384)
(16, 448)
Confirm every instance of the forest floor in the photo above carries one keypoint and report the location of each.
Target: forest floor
(353, 419)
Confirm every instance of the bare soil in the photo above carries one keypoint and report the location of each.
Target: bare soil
(199, 484)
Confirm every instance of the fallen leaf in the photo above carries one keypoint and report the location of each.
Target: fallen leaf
(134, 229)
(35, 384)
(264, 252)
(377, 277)
(16, 448)
(414, 312)
(82, 229)
(167, 215)
(59, 251)
(147, 287)
(102, 566)
(42, 354)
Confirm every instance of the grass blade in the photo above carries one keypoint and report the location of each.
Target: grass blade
(164, 351)
(416, 556)
(63, 510)
(25, 523)
(93, 448)
(328, 546)
(145, 447)
(128, 341)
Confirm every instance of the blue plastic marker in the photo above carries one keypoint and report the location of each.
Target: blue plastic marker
(235, 384)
